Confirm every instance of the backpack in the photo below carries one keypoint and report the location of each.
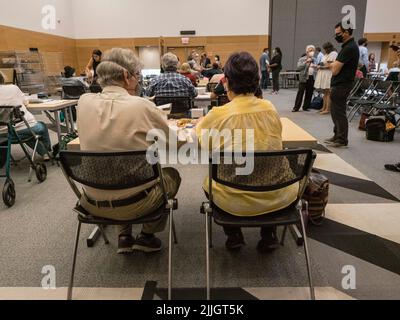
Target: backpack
(380, 129)
(63, 144)
(316, 194)
(317, 103)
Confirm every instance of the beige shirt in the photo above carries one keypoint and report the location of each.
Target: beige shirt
(116, 121)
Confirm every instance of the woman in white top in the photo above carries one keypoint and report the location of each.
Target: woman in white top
(11, 95)
(324, 76)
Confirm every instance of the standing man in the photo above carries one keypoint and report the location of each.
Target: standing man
(364, 56)
(343, 71)
(264, 63)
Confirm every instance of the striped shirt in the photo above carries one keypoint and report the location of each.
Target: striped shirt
(171, 84)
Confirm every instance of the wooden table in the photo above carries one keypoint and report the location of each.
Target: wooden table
(55, 107)
(293, 136)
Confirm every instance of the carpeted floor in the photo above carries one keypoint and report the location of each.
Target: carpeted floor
(361, 230)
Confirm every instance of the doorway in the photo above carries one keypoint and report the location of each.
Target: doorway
(183, 52)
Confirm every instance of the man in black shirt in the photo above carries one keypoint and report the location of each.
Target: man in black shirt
(344, 71)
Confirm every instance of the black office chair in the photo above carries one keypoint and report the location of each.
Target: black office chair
(95, 88)
(124, 170)
(272, 171)
(73, 92)
(181, 106)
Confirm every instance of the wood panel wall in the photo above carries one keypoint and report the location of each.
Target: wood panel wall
(221, 45)
(19, 39)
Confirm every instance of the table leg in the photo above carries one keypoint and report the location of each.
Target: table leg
(57, 119)
(66, 115)
(298, 237)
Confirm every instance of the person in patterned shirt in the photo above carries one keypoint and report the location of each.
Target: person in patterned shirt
(171, 83)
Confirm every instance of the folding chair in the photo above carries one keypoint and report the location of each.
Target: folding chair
(272, 171)
(181, 106)
(375, 95)
(115, 171)
(9, 117)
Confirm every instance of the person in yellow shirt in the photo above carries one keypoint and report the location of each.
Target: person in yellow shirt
(246, 111)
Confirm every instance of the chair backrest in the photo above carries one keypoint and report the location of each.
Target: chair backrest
(223, 100)
(95, 88)
(272, 170)
(211, 86)
(109, 170)
(180, 105)
(73, 92)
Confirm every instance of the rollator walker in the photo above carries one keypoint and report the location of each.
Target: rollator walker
(9, 117)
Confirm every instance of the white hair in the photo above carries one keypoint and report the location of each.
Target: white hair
(170, 61)
(114, 63)
(310, 47)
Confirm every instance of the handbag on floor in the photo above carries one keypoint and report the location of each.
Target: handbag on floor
(317, 194)
(363, 121)
(380, 129)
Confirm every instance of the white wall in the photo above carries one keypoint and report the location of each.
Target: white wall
(154, 18)
(382, 16)
(27, 14)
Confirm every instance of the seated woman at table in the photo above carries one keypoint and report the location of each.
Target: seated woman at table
(11, 95)
(118, 119)
(187, 72)
(246, 111)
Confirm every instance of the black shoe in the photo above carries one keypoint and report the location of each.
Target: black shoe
(125, 244)
(147, 243)
(306, 109)
(393, 167)
(331, 140)
(235, 241)
(295, 110)
(268, 244)
(338, 144)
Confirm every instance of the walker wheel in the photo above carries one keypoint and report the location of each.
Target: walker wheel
(9, 193)
(41, 172)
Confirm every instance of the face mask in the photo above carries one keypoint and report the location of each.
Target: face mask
(339, 38)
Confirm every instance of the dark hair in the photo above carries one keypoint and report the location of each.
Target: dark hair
(278, 50)
(259, 93)
(328, 47)
(218, 57)
(370, 56)
(362, 41)
(97, 52)
(243, 73)
(265, 49)
(318, 49)
(69, 72)
(215, 65)
(2, 80)
(349, 29)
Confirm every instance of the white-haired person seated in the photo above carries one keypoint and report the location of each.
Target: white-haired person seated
(171, 83)
(12, 96)
(118, 119)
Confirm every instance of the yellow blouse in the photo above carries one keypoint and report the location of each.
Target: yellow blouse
(247, 112)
